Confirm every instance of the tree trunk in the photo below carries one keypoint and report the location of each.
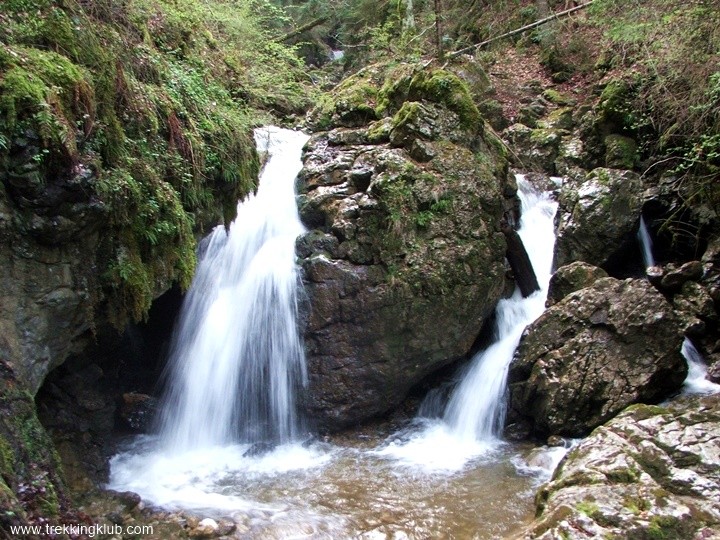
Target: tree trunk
(520, 262)
(438, 29)
(409, 18)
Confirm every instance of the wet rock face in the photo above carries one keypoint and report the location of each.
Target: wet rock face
(652, 472)
(598, 216)
(47, 275)
(405, 259)
(31, 485)
(594, 353)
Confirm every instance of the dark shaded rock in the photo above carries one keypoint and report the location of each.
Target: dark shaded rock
(713, 372)
(492, 112)
(592, 354)
(620, 152)
(652, 472)
(673, 278)
(570, 278)
(520, 263)
(137, 411)
(31, 485)
(79, 413)
(654, 275)
(260, 448)
(598, 215)
(695, 307)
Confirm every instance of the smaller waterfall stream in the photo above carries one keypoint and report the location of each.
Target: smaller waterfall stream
(645, 243)
(475, 412)
(696, 381)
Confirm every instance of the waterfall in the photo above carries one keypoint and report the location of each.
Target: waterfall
(236, 358)
(475, 412)
(645, 244)
(476, 409)
(696, 381)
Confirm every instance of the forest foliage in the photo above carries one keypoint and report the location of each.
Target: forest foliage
(157, 98)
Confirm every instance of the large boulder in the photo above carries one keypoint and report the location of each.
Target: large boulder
(598, 216)
(405, 259)
(592, 354)
(652, 472)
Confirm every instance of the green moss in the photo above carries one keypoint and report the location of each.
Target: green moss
(437, 86)
(620, 152)
(555, 97)
(641, 411)
(379, 132)
(667, 528)
(352, 103)
(409, 112)
(588, 508)
(28, 462)
(138, 91)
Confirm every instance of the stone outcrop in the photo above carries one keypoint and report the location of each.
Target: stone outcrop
(31, 485)
(405, 259)
(47, 275)
(598, 216)
(594, 353)
(652, 472)
(570, 278)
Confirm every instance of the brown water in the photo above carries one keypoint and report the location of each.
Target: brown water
(361, 495)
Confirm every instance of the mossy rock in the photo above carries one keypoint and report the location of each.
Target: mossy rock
(31, 484)
(557, 98)
(558, 119)
(352, 103)
(615, 110)
(492, 111)
(159, 124)
(620, 152)
(437, 86)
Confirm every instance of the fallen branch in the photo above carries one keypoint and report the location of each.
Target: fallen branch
(302, 29)
(530, 26)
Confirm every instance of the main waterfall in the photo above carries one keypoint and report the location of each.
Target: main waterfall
(236, 356)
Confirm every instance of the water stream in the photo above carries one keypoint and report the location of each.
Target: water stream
(475, 412)
(236, 362)
(236, 356)
(645, 243)
(696, 381)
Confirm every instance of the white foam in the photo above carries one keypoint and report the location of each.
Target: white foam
(195, 479)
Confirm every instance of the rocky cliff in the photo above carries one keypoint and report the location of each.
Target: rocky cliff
(404, 191)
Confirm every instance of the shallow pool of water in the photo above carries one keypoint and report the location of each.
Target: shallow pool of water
(354, 486)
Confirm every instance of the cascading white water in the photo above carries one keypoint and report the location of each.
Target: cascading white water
(645, 244)
(476, 409)
(236, 356)
(696, 381)
(294, 490)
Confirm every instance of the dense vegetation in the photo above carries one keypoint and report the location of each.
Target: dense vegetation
(155, 102)
(156, 99)
(652, 67)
